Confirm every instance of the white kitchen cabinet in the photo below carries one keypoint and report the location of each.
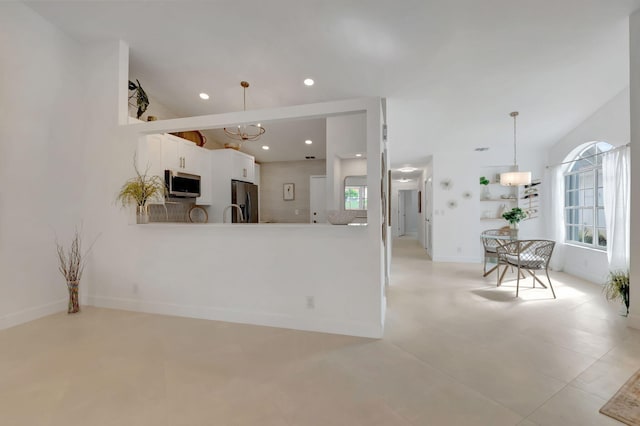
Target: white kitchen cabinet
(157, 153)
(243, 167)
(206, 179)
(232, 164)
(181, 155)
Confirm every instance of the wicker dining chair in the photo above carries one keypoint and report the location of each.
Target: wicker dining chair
(491, 244)
(528, 255)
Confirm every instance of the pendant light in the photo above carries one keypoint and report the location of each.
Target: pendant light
(515, 177)
(245, 132)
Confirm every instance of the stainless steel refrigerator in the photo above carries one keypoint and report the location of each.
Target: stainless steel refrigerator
(244, 195)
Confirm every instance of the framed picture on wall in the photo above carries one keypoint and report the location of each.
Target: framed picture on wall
(288, 192)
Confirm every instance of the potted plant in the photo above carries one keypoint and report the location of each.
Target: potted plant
(141, 98)
(139, 190)
(514, 216)
(485, 195)
(617, 287)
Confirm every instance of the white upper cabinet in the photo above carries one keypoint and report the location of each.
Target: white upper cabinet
(181, 155)
(230, 164)
(157, 153)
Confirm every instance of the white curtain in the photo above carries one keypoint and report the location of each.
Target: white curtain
(555, 214)
(616, 169)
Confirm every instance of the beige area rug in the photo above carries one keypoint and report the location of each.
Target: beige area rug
(625, 404)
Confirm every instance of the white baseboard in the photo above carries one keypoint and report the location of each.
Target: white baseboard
(457, 259)
(30, 314)
(324, 325)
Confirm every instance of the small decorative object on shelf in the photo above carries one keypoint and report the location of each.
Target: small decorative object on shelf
(71, 265)
(141, 101)
(486, 194)
(617, 287)
(484, 180)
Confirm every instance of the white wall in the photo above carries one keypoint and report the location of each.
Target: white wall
(345, 136)
(43, 108)
(260, 274)
(611, 124)
(273, 176)
(456, 232)
(634, 25)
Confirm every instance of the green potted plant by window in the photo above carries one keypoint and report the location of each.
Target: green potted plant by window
(617, 287)
(139, 190)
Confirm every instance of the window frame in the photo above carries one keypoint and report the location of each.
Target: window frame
(597, 204)
(362, 196)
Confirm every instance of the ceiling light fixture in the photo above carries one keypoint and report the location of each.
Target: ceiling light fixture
(358, 155)
(404, 180)
(407, 169)
(515, 177)
(308, 141)
(204, 96)
(265, 147)
(309, 82)
(245, 132)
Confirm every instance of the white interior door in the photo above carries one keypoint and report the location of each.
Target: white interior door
(401, 213)
(428, 215)
(411, 212)
(318, 199)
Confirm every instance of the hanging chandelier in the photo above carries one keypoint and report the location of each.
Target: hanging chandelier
(515, 177)
(245, 132)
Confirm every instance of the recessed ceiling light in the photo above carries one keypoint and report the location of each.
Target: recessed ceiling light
(204, 96)
(407, 169)
(308, 82)
(404, 180)
(265, 147)
(308, 141)
(358, 155)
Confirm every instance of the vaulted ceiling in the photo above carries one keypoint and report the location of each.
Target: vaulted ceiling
(452, 70)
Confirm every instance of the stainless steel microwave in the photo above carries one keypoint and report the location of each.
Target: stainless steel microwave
(181, 184)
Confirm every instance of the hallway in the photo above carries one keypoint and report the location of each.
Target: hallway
(456, 351)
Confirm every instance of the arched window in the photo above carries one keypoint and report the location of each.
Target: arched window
(583, 198)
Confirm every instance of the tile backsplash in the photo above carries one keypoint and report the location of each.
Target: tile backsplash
(171, 211)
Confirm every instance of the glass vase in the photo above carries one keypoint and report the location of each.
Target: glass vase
(74, 302)
(142, 214)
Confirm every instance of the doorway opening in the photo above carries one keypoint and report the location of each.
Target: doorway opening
(408, 213)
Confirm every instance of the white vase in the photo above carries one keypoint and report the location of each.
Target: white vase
(486, 194)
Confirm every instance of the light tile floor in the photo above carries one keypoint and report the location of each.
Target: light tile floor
(457, 351)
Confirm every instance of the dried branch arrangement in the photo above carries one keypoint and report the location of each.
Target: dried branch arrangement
(71, 265)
